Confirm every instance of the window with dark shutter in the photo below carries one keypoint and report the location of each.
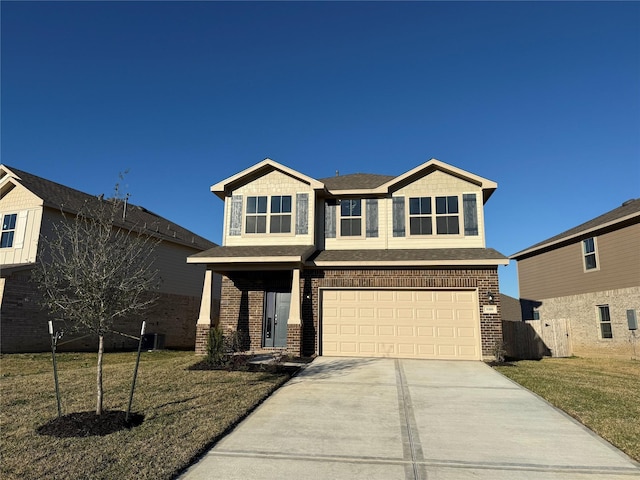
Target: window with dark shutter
(330, 219)
(398, 217)
(235, 216)
(372, 217)
(470, 214)
(302, 213)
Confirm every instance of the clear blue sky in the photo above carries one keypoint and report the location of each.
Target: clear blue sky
(543, 98)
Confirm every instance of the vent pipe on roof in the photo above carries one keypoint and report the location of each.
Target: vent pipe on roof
(337, 173)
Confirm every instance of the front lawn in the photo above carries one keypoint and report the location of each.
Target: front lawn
(601, 393)
(184, 412)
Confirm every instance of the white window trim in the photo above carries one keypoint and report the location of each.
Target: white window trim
(362, 217)
(584, 255)
(600, 322)
(291, 233)
(434, 225)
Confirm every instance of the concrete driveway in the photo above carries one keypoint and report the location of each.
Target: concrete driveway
(409, 419)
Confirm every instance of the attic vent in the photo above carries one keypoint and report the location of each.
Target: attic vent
(628, 202)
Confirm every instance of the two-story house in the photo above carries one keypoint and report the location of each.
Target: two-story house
(357, 265)
(588, 279)
(30, 208)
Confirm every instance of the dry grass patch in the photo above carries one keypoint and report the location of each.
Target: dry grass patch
(601, 393)
(185, 411)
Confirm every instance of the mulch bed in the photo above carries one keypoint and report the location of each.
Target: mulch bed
(88, 424)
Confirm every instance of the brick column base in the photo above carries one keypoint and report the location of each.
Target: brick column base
(294, 340)
(202, 338)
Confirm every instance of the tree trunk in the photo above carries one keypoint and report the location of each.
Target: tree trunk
(99, 376)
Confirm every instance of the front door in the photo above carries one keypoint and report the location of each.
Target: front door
(276, 316)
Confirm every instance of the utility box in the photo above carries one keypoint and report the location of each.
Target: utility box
(153, 341)
(632, 319)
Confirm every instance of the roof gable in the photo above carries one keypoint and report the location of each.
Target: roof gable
(222, 188)
(628, 211)
(488, 186)
(371, 184)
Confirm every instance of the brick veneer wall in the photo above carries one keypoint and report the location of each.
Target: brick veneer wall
(243, 298)
(582, 313)
(24, 326)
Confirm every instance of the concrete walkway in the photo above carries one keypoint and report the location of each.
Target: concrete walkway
(409, 419)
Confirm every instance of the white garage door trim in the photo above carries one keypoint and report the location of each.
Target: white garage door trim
(400, 323)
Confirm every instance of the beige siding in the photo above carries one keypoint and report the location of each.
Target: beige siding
(272, 183)
(560, 272)
(178, 277)
(435, 184)
(18, 200)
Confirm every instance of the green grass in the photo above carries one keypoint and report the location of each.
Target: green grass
(185, 411)
(603, 394)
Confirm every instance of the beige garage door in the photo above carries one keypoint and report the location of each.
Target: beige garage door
(433, 324)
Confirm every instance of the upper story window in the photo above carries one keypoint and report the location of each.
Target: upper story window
(351, 218)
(256, 219)
(8, 230)
(279, 214)
(447, 216)
(420, 216)
(590, 254)
(605, 321)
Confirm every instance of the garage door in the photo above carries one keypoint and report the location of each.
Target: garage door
(432, 324)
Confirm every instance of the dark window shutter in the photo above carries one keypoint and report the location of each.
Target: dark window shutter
(470, 214)
(398, 217)
(235, 217)
(330, 219)
(372, 217)
(302, 213)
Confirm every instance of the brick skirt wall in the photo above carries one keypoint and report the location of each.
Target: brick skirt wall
(242, 300)
(24, 325)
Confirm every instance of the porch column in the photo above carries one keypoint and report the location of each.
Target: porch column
(205, 303)
(294, 308)
(203, 324)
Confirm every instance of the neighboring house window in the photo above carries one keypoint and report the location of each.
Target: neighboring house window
(351, 218)
(536, 314)
(605, 321)
(280, 221)
(8, 230)
(256, 221)
(589, 252)
(420, 216)
(447, 218)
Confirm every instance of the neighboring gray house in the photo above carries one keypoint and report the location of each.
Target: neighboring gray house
(357, 265)
(29, 206)
(586, 281)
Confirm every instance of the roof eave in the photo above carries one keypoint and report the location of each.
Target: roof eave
(411, 263)
(547, 245)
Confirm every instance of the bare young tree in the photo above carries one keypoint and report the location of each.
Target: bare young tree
(95, 269)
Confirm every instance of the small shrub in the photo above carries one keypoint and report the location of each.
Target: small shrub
(499, 351)
(216, 354)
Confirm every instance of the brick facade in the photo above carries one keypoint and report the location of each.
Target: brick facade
(24, 325)
(243, 298)
(581, 311)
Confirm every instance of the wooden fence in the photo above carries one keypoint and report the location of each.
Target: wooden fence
(535, 339)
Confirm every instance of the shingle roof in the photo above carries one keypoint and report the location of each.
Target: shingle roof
(71, 200)
(255, 251)
(355, 181)
(630, 208)
(409, 255)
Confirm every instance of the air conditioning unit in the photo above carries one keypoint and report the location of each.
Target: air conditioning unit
(153, 341)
